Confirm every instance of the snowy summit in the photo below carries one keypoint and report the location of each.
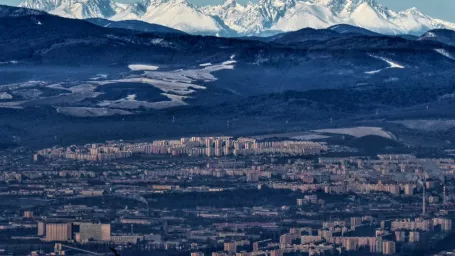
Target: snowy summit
(265, 17)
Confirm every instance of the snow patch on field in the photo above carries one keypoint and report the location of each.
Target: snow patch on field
(359, 132)
(373, 72)
(175, 101)
(140, 67)
(82, 88)
(12, 104)
(9, 62)
(5, 96)
(176, 85)
(391, 64)
(130, 103)
(99, 76)
(91, 112)
(229, 62)
(181, 82)
(28, 93)
(17, 86)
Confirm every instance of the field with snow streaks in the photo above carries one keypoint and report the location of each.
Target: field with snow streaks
(144, 87)
(358, 132)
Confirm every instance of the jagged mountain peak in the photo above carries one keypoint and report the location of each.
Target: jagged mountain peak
(181, 15)
(414, 10)
(230, 3)
(339, 6)
(74, 8)
(279, 4)
(254, 18)
(159, 2)
(8, 11)
(44, 5)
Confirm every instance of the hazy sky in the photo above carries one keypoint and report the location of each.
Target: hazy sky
(443, 9)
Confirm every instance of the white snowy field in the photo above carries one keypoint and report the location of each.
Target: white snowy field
(142, 67)
(181, 82)
(359, 132)
(175, 85)
(130, 103)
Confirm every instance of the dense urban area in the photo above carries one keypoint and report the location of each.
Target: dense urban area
(223, 196)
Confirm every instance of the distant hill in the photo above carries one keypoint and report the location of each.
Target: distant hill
(306, 34)
(134, 25)
(349, 29)
(444, 36)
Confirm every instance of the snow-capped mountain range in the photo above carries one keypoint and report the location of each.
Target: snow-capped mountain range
(265, 17)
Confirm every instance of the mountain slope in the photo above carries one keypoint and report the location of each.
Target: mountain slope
(265, 17)
(181, 15)
(304, 35)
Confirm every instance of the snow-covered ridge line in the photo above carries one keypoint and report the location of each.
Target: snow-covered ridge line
(259, 18)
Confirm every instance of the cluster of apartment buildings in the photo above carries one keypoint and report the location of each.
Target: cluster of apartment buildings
(342, 237)
(194, 146)
(75, 231)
